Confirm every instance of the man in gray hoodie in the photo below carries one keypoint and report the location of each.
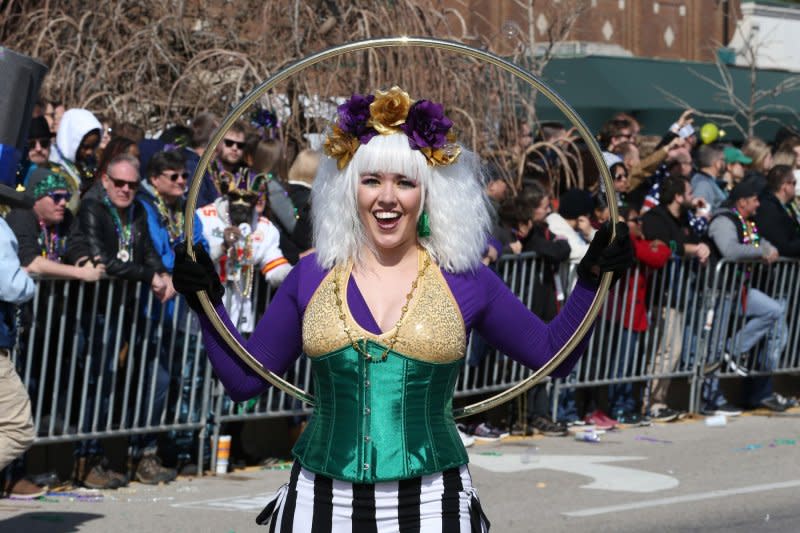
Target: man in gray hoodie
(735, 237)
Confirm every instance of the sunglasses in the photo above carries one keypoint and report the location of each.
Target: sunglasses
(229, 143)
(620, 177)
(43, 142)
(173, 176)
(247, 197)
(120, 184)
(635, 220)
(57, 197)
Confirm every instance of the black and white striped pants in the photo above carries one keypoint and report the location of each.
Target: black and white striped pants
(444, 502)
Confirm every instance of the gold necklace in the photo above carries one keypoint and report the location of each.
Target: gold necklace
(393, 339)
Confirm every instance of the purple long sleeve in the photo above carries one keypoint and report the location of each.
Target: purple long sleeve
(486, 305)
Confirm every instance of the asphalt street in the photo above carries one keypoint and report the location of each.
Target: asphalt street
(683, 476)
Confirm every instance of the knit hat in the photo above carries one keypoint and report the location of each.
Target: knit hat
(746, 188)
(44, 180)
(39, 129)
(575, 203)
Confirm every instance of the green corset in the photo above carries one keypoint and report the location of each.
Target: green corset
(379, 421)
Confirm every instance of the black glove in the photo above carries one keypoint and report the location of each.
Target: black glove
(189, 277)
(602, 257)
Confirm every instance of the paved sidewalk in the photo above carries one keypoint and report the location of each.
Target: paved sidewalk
(683, 476)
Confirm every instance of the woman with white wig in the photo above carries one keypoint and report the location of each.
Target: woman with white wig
(383, 310)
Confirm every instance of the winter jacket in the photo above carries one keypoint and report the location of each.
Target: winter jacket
(778, 226)
(650, 255)
(97, 224)
(159, 235)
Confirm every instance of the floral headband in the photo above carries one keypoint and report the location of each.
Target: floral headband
(362, 117)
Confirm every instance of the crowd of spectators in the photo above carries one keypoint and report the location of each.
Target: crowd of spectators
(110, 203)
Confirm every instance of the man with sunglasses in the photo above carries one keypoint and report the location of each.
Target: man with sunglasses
(118, 237)
(229, 159)
(43, 231)
(38, 151)
(240, 241)
(777, 216)
(46, 248)
(162, 196)
(39, 142)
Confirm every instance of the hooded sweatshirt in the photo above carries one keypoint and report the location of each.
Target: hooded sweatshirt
(74, 126)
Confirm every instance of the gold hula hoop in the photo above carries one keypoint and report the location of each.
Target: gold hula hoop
(400, 42)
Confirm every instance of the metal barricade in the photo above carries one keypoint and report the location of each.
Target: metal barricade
(751, 323)
(646, 332)
(107, 359)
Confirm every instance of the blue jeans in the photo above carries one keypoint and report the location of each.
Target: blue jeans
(100, 373)
(620, 395)
(765, 320)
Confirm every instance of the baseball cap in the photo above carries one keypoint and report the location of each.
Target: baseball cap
(734, 155)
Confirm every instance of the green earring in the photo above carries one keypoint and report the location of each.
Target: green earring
(424, 225)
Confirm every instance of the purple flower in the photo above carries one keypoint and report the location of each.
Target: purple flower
(264, 118)
(426, 125)
(353, 116)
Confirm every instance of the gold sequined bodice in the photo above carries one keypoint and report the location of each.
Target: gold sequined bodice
(432, 330)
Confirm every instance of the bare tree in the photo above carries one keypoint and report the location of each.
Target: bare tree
(751, 106)
(159, 62)
(531, 41)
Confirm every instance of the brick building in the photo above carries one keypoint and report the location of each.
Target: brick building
(647, 57)
(667, 29)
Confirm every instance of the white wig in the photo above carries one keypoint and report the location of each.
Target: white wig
(453, 195)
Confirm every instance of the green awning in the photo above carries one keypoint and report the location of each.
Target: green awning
(599, 86)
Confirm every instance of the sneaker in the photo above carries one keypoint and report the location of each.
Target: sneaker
(150, 472)
(664, 415)
(486, 432)
(548, 428)
(632, 419)
(790, 402)
(466, 439)
(600, 421)
(775, 403)
(725, 409)
(599, 413)
(737, 367)
(23, 489)
(92, 473)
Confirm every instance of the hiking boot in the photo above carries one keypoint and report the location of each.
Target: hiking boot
(150, 472)
(23, 489)
(92, 473)
(548, 428)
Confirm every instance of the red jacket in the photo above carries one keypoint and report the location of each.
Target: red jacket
(650, 254)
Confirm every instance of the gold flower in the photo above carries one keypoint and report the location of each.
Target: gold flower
(445, 155)
(389, 110)
(341, 146)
